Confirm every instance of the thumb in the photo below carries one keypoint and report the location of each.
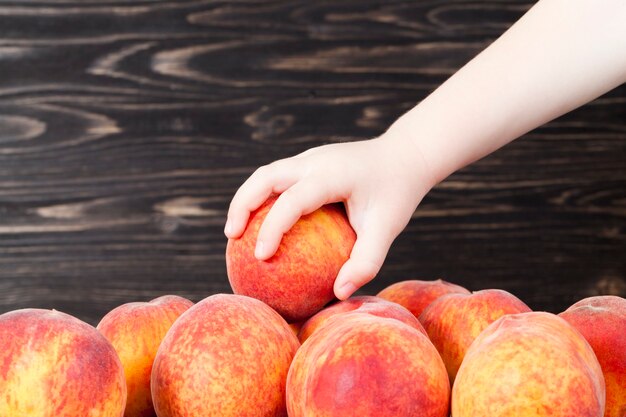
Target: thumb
(367, 257)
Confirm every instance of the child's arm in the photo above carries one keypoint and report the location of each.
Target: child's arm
(560, 55)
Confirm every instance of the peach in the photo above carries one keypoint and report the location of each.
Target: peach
(530, 365)
(226, 356)
(416, 295)
(136, 330)
(361, 304)
(453, 321)
(364, 365)
(602, 321)
(53, 364)
(298, 280)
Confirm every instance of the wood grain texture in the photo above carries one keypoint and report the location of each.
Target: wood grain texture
(126, 127)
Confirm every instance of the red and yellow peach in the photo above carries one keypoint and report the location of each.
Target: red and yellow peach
(226, 356)
(364, 365)
(298, 280)
(530, 365)
(136, 330)
(602, 321)
(53, 364)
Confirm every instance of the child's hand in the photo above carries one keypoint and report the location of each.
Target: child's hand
(533, 73)
(379, 182)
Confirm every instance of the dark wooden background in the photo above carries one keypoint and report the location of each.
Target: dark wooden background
(127, 125)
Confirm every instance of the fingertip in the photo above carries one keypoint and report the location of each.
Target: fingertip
(235, 226)
(228, 229)
(345, 290)
(353, 275)
(266, 246)
(344, 285)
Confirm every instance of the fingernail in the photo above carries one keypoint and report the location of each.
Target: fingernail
(259, 250)
(228, 228)
(346, 290)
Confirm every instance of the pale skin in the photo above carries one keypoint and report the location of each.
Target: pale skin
(560, 55)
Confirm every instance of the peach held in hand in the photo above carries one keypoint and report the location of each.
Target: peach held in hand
(529, 365)
(54, 365)
(136, 330)
(298, 280)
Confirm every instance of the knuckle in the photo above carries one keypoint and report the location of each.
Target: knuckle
(262, 171)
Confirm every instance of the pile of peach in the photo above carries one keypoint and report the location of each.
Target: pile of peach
(277, 347)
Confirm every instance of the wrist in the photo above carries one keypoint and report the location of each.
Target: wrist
(407, 160)
(421, 144)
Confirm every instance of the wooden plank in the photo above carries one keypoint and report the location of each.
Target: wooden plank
(127, 126)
